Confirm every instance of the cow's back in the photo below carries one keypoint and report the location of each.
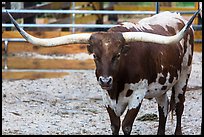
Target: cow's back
(164, 19)
(157, 63)
(165, 23)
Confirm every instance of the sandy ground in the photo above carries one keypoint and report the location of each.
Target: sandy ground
(72, 105)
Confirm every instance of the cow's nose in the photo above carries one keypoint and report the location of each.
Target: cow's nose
(105, 81)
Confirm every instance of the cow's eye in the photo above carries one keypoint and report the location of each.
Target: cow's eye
(116, 57)
(96, 57)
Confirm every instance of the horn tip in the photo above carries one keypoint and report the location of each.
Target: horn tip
(14, 22)
(191, 19)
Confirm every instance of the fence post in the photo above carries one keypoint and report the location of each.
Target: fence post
(73, 17)
(157, 7)
(5, 50)
(113, 18)
(29, 20)
(7, 6)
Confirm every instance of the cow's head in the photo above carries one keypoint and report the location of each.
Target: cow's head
(106, 47)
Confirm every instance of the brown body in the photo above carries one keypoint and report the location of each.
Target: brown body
(163, 66)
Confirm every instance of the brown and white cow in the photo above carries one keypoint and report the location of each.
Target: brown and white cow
(137, 61)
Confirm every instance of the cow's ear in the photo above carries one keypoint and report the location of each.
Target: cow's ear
(90, 49)
(125, 49)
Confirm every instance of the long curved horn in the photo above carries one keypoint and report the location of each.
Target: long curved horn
(155, 38)
(68, 39)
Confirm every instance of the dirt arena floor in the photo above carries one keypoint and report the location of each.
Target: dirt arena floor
(72, 105)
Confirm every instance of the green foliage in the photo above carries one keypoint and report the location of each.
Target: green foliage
(138, 3)
(185, 4)
(177, 4)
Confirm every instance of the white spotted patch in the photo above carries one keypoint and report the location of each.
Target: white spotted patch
(118, 107)
(163, 103)
(139, 92)
(168, 19)
(132, 101)
(185, 71)
(128, 25)
(145, 26)
(155, 87)
(182, 45)
(186, 55)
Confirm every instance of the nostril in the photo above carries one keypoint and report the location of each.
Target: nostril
(110, 79)
(105, 80)
(100, 79)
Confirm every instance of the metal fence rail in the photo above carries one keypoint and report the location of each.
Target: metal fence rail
(23, 40)
(90, 11)
(84, 12)
(80, 11)
(196, 27)
(73, 25)
(75, 12)
(62, 25)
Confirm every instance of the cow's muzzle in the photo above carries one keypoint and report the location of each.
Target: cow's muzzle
(106, 82)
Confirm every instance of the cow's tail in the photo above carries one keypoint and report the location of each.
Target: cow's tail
(172, 104)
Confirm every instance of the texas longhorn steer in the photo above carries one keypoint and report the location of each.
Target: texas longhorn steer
(137, 61)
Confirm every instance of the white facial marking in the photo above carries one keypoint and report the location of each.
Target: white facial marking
(106, 44)
(106, 47)
(162, 67)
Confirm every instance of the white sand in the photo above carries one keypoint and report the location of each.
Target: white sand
(73, 105)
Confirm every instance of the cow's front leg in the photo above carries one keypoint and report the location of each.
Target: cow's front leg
(135, 100)
(129, 120)
(115, 121)
(163, 104)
